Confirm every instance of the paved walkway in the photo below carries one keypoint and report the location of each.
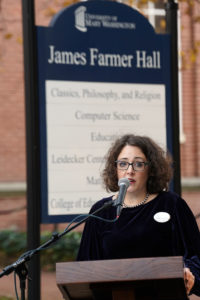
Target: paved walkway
(49, 289)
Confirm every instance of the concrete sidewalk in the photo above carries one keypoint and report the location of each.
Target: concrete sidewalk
(49, 289)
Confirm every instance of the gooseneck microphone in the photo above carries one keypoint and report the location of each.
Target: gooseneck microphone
(123, 184)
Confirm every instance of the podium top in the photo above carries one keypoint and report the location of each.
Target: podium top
(120, 270)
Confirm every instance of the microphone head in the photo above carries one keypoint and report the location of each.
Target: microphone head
(124, 181)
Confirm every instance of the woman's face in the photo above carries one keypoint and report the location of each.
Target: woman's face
(138, 179)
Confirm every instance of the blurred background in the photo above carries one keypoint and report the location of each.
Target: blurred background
(12, 131)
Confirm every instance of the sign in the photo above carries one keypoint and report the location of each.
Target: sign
(103, 72)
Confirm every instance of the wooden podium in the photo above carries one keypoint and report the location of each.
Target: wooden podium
(157, 278)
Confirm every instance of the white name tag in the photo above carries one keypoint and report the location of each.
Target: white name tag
(162, 217)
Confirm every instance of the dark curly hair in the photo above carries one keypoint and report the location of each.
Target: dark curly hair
(160, 170)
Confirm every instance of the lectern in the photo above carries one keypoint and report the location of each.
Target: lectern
(157, 278)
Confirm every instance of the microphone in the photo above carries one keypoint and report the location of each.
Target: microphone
(123, 184)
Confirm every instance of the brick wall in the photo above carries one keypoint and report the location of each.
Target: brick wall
(197, 86)
(190, 90)
(12, 133)
(12, 117)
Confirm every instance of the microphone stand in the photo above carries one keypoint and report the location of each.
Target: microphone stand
(19, 266)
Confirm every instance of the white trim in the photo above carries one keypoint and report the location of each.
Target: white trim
(154, 11)
(12, 186)
(182, 136)
(190, 181)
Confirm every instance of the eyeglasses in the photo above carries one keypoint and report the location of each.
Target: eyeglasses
(136, 165)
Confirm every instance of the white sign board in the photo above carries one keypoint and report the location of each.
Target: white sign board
(83, 119)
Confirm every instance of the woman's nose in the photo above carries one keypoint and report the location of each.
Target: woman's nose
(130, 169)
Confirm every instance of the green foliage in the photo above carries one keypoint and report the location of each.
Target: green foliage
(63, 250)
(13, 244)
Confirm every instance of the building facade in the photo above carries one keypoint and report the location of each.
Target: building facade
(12, 103)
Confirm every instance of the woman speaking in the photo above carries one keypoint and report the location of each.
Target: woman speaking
(154, 222)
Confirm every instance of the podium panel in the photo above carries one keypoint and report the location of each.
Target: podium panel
(157, 278)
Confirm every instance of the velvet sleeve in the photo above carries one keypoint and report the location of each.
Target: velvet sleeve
(190, 237)
(90, 247)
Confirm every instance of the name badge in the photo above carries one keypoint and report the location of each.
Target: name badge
(162, 217)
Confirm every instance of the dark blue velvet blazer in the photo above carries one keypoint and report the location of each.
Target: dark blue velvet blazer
(138, 234)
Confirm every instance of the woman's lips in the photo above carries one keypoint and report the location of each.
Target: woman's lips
(131, 180)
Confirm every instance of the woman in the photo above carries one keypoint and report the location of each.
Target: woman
(154, 222)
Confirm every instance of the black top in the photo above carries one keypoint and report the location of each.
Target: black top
(142, 232)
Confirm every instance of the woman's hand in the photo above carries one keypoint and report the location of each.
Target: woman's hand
(188, 279)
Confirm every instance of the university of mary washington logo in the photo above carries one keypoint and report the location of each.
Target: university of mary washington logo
(84, 20)
(80, 18)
